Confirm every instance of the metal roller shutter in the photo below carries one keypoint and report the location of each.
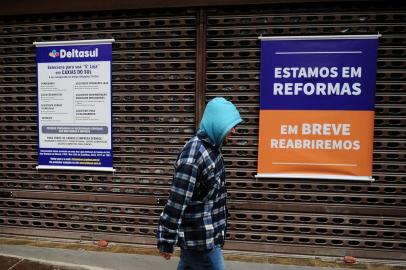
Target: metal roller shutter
(302, 216)
(153, 114)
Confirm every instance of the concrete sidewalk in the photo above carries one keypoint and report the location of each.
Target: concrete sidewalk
(66, 259)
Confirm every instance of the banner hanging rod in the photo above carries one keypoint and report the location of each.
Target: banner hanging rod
(75, 168)
(320, 37)
(315, 176)
(73, 42)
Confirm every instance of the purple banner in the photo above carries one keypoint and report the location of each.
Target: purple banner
(318, 74)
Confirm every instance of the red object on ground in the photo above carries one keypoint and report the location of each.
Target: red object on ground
(350, 259)
(102, 243)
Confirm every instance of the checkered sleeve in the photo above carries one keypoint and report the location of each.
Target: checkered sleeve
(184, 180)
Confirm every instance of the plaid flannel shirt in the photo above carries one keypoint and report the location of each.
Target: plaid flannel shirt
(195, 215)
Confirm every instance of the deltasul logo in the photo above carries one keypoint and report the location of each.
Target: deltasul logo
(74, 53)
(54, 54)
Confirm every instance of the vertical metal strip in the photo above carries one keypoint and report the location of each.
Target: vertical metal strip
(201, 26)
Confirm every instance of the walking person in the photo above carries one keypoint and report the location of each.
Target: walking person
(195, 216)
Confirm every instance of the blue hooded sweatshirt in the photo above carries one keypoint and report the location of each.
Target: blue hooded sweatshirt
(219, 117)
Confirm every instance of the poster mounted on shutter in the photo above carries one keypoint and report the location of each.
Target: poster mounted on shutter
(74, 105)
(317, 107)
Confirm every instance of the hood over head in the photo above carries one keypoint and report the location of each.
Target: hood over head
(219, 117)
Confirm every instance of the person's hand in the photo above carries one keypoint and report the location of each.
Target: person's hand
(166, 255)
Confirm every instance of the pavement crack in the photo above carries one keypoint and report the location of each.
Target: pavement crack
(22, 259)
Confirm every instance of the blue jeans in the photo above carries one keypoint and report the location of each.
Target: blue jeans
(201, 260)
